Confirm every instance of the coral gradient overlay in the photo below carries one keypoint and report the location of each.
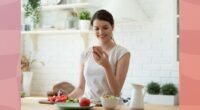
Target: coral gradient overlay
(9, 54)
(189, 55)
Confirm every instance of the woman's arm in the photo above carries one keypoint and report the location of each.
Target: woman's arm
(81, 87)
(122, 69)
(116, 82)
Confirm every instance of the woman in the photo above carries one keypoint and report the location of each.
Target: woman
(103, 68)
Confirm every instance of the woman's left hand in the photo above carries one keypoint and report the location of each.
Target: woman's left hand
(100, 57)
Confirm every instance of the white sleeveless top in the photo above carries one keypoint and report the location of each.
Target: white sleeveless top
(96, 84)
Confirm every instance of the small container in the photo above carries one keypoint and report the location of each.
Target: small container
(64, 1)
(25, 27)
(71, 21)
(109, 104)
(69, 24)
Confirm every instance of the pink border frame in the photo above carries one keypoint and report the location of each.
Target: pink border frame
(189, 54)
(9, 54)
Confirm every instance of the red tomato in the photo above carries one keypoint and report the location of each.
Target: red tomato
(64, 98)
(84, 102)
(61, 98)
(50, 99)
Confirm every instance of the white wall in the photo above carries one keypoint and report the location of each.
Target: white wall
(151, 47)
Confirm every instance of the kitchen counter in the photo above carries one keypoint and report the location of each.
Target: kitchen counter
(31, 103)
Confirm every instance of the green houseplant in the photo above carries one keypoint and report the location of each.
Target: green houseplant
(169, 89)
(84, 15)
(166, 94)
(84, 19)
(153, 88)
(32, 9)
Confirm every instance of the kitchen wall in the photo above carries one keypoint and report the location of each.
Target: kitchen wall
(151, 45)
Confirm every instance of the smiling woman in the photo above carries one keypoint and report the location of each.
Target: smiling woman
(101, 70)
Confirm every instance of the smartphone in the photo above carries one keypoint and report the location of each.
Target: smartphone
(98, 50)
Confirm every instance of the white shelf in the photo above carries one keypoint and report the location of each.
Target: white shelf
(75, 7)
(63, 6)
(83, 33)
(55, 32)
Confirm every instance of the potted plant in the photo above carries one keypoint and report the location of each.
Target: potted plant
(32, 12)
(84, 20)
(153, 88)
(27, 74)
(169, 93)
(169, 89)
(72, 20)
(166, 95)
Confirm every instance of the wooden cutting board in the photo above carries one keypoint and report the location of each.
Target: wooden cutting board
(45, 102)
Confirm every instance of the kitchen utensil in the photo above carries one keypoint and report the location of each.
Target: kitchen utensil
(45, 102)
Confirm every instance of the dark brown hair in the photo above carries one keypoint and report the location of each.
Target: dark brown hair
(103, 15)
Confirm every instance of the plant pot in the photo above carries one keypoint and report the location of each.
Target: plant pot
(36, 26)
(29, 24)
(27, 80)
(71, 23)
(84, 24)
(162, 99)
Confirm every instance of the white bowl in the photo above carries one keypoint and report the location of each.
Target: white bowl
(109, 103)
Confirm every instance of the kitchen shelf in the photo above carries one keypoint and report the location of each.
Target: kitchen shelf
(73, 6)
(55, 32)
(83, 33)
(63, 6)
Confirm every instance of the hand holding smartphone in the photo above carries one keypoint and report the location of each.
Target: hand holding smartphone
(100, 56)
(98, 51)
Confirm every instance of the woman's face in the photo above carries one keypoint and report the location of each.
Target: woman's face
(103, 30)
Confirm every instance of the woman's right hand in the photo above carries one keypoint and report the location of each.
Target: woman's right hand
(97, 50)
(100, 56)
